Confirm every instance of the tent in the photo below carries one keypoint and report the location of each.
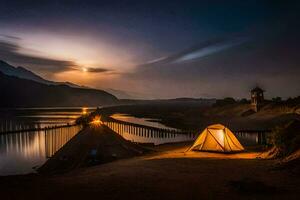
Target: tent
(217, 138)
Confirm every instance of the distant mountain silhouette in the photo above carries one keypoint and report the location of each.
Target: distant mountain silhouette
(17, 92)
(23, 73)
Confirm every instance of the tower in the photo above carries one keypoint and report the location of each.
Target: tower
(257, 98)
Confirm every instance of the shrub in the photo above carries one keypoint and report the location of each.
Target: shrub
(244, 101)
(293, 101)
(286, 138)
(225, 101)
(277, 99)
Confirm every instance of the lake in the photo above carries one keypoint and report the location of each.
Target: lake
(24, 152)
(13, 119)
(143, 121)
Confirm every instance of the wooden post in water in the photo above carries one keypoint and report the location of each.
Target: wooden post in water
(121, 128)
(133, 131)
(259, 138)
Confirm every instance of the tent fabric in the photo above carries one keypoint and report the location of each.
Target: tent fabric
(217, 138)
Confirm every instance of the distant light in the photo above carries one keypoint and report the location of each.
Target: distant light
(84, 111)
(96, 121)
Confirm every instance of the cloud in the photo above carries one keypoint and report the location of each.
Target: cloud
(98, 70)
(226, 67)
(10, 52)
(10, 37)
(199, 51)
(206, 50)
(156, 60)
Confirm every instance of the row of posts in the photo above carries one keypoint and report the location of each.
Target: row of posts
(9, 126)
(121, 128)
(58, 137)
(144, 131)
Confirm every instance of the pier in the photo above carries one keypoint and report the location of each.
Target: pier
(10, 128)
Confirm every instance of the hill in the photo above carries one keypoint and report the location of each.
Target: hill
(196, 114)
(17, 92)
(24, 73)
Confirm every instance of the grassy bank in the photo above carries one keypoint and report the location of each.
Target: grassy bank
(197, 116)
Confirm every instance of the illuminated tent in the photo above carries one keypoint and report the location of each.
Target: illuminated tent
(217, 138)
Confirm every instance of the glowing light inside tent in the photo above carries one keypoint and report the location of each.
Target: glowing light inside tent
(219, 134)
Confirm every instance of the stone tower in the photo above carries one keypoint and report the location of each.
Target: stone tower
(257, 98)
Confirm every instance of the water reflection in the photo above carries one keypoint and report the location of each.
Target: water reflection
(251, 138)
(22, 152)
(142, 121)
(17, 125)
(36, 118)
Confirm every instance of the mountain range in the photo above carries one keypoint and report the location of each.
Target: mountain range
(23, 73)
(22, 88)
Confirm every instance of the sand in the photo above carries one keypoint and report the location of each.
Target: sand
(166, 172)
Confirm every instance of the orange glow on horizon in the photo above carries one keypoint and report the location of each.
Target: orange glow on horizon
(89, 79)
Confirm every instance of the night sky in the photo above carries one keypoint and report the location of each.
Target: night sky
(158, 49)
